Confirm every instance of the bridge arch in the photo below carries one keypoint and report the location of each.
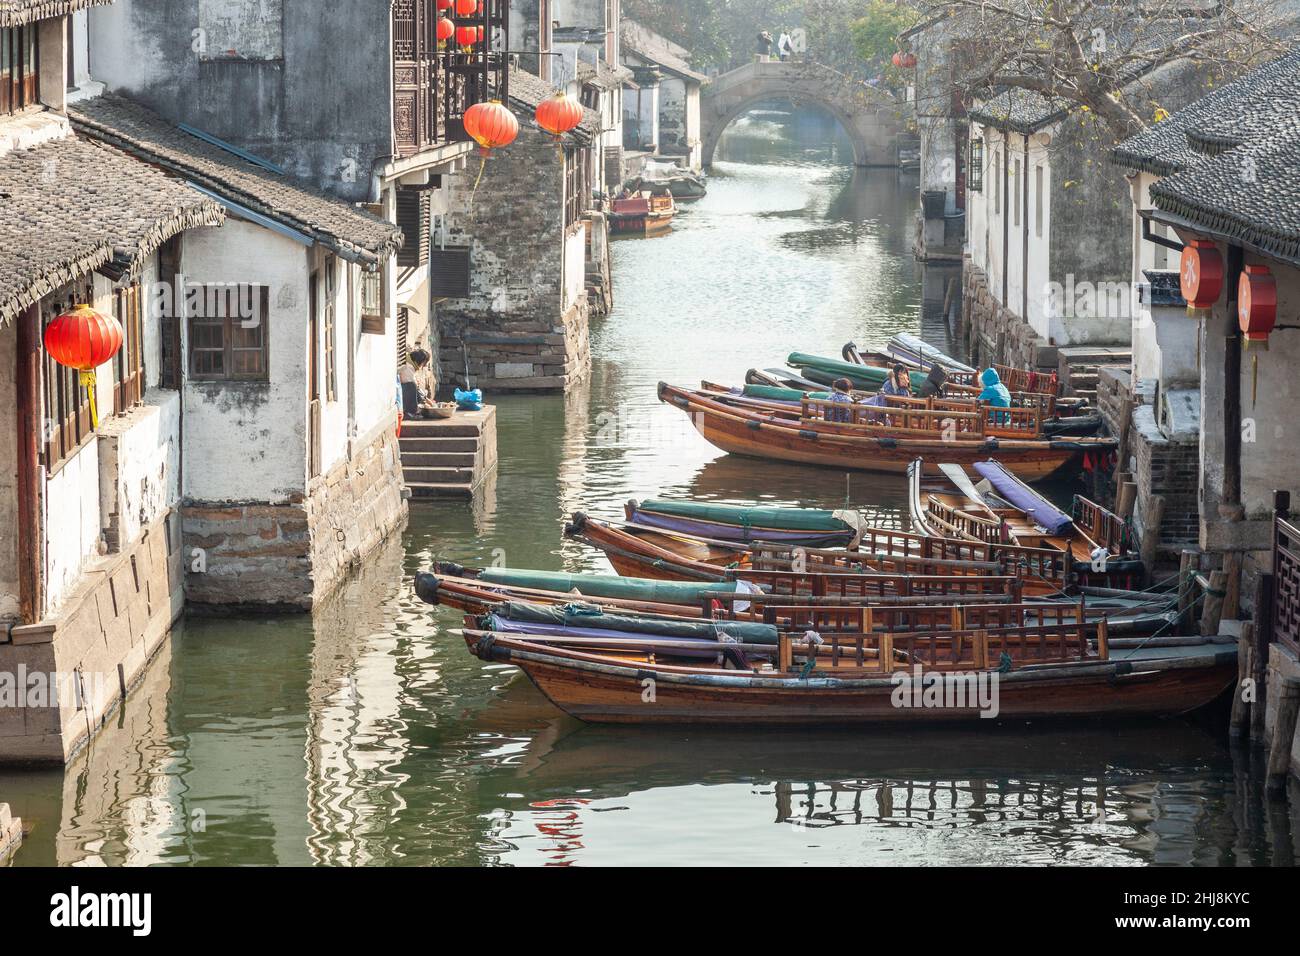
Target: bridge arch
(871, 119)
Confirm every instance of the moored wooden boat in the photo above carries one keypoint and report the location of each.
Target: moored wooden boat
(865, 444)
(645, 214)
(872, 679)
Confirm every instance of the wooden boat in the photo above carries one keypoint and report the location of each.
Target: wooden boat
(911, 348)
(1047, 672)
(866, 443)
(1001, 508)
(637, 550)
(644, 214)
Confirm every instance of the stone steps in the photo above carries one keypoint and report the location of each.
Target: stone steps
(449, 458)
(1081, 365)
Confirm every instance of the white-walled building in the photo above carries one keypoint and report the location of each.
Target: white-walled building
(661, 107)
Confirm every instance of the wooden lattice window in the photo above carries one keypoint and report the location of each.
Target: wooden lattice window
(225, 345)
(128, 365)
(372, 302)
(577, 184)
(975, 168)
(328, 315)
(65, 419)
(19, 73)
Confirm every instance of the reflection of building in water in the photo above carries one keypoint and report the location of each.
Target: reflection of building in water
(355, 728)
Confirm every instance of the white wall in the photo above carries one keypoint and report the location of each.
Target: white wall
(1165, 339)
(575, 266)
(247, 441)
(72, 522)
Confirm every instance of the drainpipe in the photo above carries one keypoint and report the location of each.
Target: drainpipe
(1006, 212)
(1230, 507)
(1024, 222)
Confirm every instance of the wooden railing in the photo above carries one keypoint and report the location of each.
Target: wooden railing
(1103, 527)
(895, 420)
(944, 587)
(968, 649)
(799, 618)
(1286, 580)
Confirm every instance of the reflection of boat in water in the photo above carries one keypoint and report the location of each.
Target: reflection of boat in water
(642, 215)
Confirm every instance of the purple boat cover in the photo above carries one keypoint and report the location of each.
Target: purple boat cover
(1008, 486)
(737, 533)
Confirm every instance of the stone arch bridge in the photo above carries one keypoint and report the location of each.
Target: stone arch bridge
(869, 117)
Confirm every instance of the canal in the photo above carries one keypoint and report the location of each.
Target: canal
(368, 736)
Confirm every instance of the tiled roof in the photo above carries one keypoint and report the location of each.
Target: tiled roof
(16, 13)
(527, 93)
(1229, 160)
(354, 233)
(1024, 111)
(1258, 97)
(645, 43)
(71, 205)
(604, 76)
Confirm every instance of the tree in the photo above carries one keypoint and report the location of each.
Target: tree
(875, 33)
(1089, 53)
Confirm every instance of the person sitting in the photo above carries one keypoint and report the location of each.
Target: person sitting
(841, 394)
(899, 383)
(416, 402)
(934, 383)
(995, 393)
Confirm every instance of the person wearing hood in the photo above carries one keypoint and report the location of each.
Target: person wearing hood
(995, 393)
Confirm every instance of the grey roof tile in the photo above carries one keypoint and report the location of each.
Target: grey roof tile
(527, 92)
(16, 13)
(352, 232)
(71, 205)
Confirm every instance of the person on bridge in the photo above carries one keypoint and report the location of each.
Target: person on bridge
(765, 45)
(785, 46)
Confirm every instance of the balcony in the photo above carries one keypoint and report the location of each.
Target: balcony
(433, 88)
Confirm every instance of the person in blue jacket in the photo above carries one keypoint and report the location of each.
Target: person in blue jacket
(995, 393)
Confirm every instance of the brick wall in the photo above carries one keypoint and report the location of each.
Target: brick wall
(289, 556)
(1170, 469)
(514, 327)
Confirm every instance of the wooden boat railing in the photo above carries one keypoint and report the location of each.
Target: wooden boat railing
(825, 560)
(1019, 421)
(894, 420)
(1285, 611)
(1103, 528)
(819, 585)
(961, 523)
(969, 649)
(958, 617)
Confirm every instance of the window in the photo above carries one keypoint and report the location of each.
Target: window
(327, 323)
(1038, 202)
(19, 79)
(413, 212)
(975, 168)
(128, 364)
(1013, 194)
(228, 334)
(372, 302)
(577, 184)
(66, 409)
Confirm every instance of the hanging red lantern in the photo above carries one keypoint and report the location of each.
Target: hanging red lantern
(466, 37)
(491, 125)
(84, 339)
(465, 8)
(446, 30)
(445, 4)
(1257, 304)
(559, 114)
(1201, 274)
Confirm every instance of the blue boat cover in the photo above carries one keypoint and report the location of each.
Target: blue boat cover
(1011, 488)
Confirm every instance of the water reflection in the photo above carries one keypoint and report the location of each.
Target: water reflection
(367, 735)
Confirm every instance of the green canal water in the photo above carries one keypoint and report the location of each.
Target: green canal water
(366, 735)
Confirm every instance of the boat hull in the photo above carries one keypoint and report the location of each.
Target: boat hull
(756, 437)
(599, 693)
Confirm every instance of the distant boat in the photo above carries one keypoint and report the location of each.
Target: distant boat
(642, 215)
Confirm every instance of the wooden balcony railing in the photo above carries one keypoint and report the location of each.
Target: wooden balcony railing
(432, 87)
(1286, 576)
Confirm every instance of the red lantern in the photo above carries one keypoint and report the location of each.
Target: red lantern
(446, 30)
(445, 4)
(1257, 304)
(491, 125)
(466, 37)
(84, 339)
(1201, 274)
(465, 8)
(559, 114)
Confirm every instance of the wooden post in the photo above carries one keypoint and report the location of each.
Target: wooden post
(1259, 654)
(1213, 612)
(1279, 750)
(1239, 723)
(1232, 585)
(1103, 639)
(31, 437)
(1186, 588)
(887, 651)
(1125, 499)
(1155, 517)
(785, 654)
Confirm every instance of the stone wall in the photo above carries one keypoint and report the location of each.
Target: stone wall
(518, 327)
(78, 665)
(288, 556)
(1170, 469)
(993, 333)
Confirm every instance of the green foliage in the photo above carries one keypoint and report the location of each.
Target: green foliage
(875, 33)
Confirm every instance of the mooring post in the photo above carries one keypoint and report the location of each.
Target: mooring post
(1283, 740)
(1152, 520)
(1239, 723)
(1263, 634)
(1213, 612)
(1186, 588)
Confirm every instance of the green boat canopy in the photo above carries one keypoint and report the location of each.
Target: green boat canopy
(868, 378)
(585, 616)
(780, 519)
(608, 585)
(776, 393)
